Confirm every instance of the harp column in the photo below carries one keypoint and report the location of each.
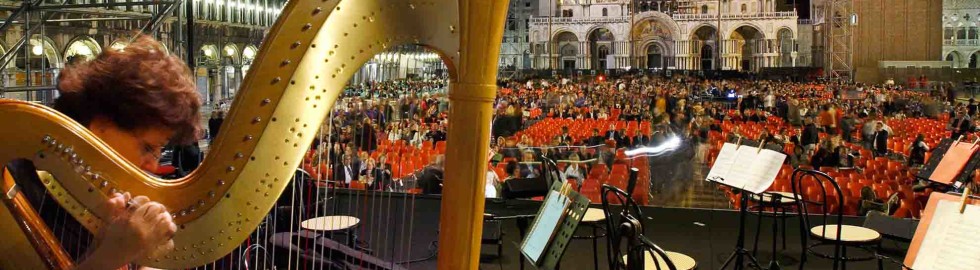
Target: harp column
(471, 109)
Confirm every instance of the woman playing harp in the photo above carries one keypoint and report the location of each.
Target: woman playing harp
(136, 100)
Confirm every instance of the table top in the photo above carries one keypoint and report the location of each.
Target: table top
(330, 223)
(594, 215)
(681, 261)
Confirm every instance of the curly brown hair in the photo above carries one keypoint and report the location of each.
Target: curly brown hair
(139, 87)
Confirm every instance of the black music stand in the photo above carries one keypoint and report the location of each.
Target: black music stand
(740, 253)
(965, 176)
(564, 232)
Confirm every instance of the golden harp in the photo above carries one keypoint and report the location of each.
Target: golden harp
(301, 68)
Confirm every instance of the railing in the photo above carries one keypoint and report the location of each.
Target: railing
(960, 42)
(804, 21)
(577, 20)
(750, 16)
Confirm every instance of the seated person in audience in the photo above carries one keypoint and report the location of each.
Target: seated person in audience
(596, 139)
(575, 171)
(606, 155)
(345, 172)
(564, 134)
(613, 135)
(513, 170)
(493, 184)
(377, 177)
(623, 141)
(431, 179)
(869, 203)
(510, 149)
(845, 157)
(917, 151)
(733, 135)
(529, 165)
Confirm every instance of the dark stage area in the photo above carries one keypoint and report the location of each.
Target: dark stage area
(403, 228)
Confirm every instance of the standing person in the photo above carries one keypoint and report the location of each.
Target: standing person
(880, 139)
(810, 137)
(136, 101)
(217, 117)
(793, 114)
(847, 126)
(962, 125)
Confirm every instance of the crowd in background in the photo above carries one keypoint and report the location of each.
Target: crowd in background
(416, 112)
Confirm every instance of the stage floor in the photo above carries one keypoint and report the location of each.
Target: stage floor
(707, 235)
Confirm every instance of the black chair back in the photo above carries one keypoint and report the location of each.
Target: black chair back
(627, 223)
(816, 199)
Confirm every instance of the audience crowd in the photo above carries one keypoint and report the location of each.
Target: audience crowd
(375, 128)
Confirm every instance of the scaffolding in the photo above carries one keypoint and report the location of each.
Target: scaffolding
(29, 19)
(840, 40)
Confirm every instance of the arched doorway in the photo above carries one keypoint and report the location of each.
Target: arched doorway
(973, 60)
(704, 56)
(82, 49)
(653, 29)
(567, 45)
(786, 47)
(954, 59)
(40, 67)
(231, 70)
(707, 57)
(746, 38)
(655, 56)
(568, 53)
(208, 63)
(248, 55)
(600, 44)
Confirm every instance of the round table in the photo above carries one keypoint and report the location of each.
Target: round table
(330, 223)
(681, 261)
(593, 215)
(340, 224)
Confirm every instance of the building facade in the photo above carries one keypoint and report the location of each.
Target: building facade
(961, 44)
(227, 34)
(659, 34)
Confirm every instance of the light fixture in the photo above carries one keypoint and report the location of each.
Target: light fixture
(249, 53)
(119, 46)
(37, 49)
(208, 51)
(229, 51)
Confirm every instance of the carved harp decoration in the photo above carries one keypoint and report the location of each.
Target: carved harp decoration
(308, 56)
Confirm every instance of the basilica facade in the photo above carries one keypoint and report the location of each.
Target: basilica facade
(652, 34)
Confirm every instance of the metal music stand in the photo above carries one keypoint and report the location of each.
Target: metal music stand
(565, 230)
(740, 253)
(966, 176)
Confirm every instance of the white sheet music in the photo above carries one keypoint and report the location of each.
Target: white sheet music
(545, 226)
(723, 163)
(747, 167)
(953, 239)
